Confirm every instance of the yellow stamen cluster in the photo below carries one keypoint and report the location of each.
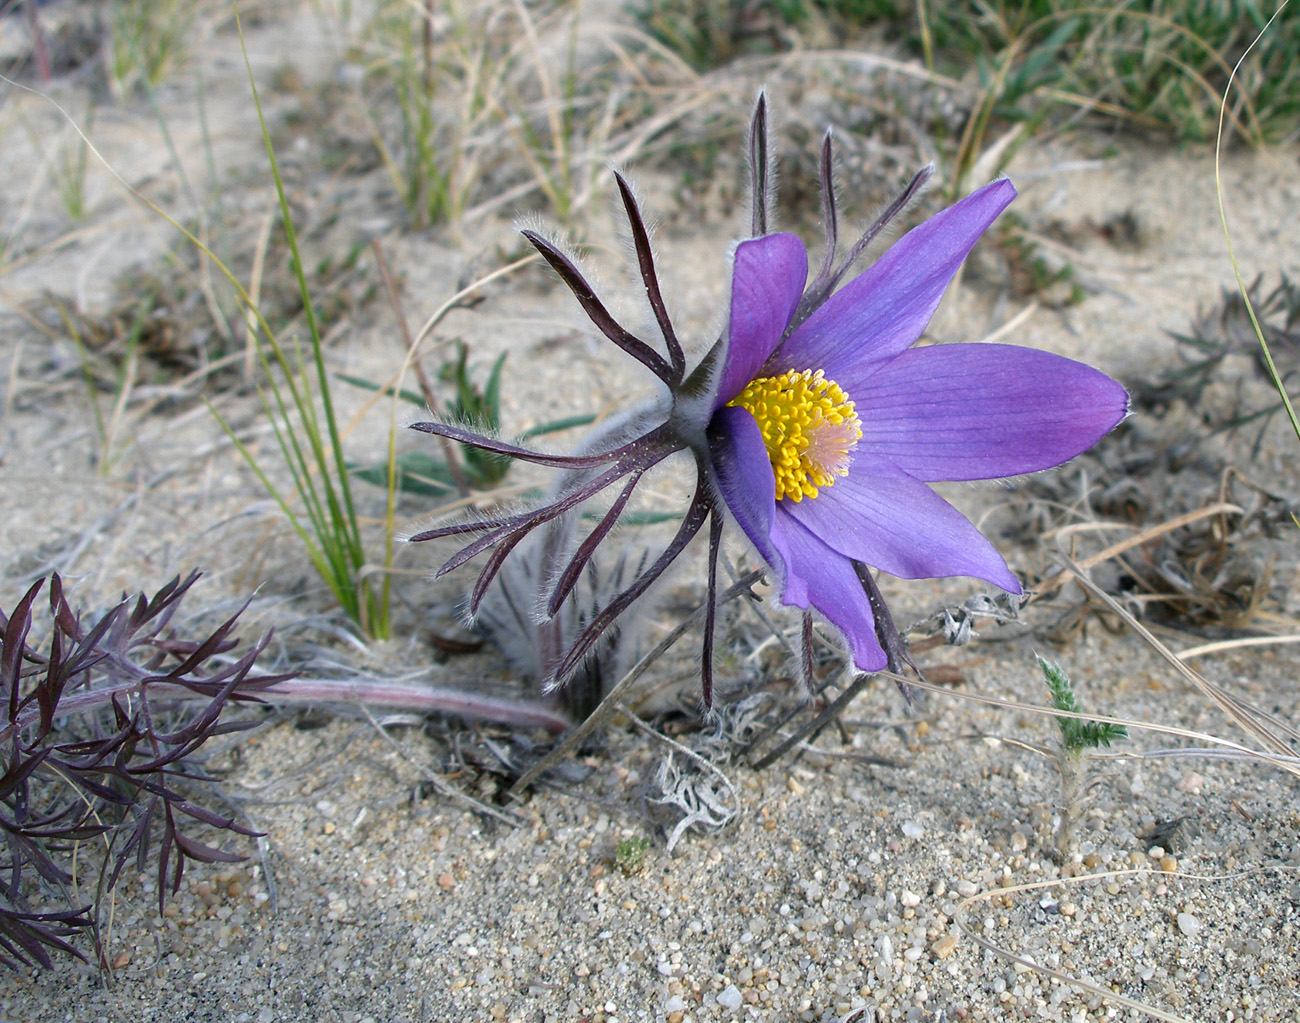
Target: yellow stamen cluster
(809, 427)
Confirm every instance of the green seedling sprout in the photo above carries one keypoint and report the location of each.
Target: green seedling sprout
(1077, 737)
(421, 474)
(629, 855)
(479, 408)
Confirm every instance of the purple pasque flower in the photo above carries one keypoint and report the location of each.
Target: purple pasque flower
(815, 425)
(853, 422)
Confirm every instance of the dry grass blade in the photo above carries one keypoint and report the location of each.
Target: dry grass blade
(1272, 734)
(1230, 749)
(1054, 582)
(1235, 644)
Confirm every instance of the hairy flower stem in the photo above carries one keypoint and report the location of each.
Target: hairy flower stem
(612, 699)
(417, 699)
(1073, 771)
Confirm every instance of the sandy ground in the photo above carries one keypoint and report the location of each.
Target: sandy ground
(838, 888)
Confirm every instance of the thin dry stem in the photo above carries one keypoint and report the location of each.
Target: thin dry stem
(1272, 733)
(610, 703)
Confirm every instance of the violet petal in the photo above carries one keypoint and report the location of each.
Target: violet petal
(883, 310)
(743, 474)
(881, 516)
(812, 574)
(983, 411)
(766, 284)
(819, 577)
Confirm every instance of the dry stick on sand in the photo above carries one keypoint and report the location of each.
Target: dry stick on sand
(615, 696)
(444, 787)
(814, 725)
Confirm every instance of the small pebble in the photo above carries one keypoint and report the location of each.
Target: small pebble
(911, 829)
(729, 997)
(1168, 864)
(1188, 924)
(944, 947)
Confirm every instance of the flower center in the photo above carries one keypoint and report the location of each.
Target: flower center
(809, 428)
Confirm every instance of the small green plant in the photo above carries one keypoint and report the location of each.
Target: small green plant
(421, 474)
(148, 40)
(70, 169)
(629, 855)
(1077, 737)
(1051, 281)
(479, 408)
(424, 76)
(65, 156)
(296, 396)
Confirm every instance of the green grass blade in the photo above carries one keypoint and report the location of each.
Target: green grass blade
(1227, 234)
